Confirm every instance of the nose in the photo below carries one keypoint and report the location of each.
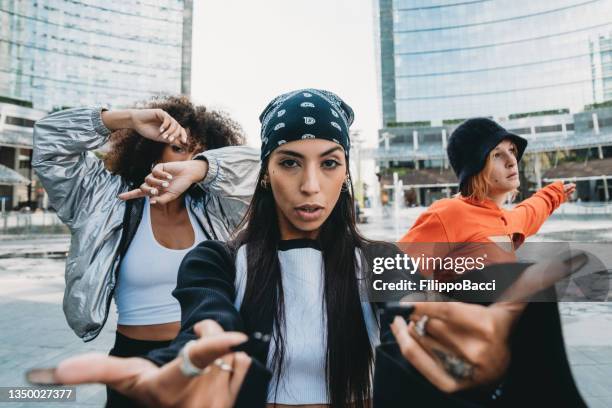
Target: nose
(310, 181)
(511, 161)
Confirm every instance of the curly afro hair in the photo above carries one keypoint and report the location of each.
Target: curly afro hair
(132, 156)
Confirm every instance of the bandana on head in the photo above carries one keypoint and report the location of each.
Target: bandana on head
(305, 114)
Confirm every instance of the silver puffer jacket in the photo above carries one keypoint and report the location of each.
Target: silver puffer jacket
(84, 194)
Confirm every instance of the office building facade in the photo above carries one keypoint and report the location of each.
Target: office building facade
(57, 53)
(537, 67)
(63, 53)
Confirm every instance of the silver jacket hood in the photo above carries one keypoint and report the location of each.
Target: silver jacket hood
(84, 194)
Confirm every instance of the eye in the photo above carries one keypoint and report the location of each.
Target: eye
(497, 155)
(178, 149)
(330, 164)
(289, 163)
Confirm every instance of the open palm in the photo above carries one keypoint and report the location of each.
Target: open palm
(141, 380)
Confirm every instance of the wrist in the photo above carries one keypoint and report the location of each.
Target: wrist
(120, 119)
(200, 169)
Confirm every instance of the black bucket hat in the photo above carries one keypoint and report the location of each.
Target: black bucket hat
(472, 141)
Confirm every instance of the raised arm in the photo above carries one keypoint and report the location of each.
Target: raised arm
(65, 164)
(228, 174)
(73, 176)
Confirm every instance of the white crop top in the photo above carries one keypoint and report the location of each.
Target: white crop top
(303, 378)
(147, 276)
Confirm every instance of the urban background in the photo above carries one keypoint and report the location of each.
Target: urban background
(543, 69)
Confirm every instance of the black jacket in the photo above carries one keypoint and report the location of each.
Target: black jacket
(539, 371)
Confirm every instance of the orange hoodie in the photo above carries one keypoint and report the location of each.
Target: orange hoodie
(442, 230)
(463, 220)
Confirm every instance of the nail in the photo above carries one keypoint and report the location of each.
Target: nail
(172, 138)
(165, 184)
(154, 191)
(42, 376)
(153, 201)
(161, 129)
(169, 177)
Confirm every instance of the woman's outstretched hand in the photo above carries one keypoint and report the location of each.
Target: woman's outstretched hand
(154, 124)
(568, 190)
(458, 345)
(166, 386)
(167, 181)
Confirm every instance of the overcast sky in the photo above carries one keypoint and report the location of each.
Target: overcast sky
(247, 52)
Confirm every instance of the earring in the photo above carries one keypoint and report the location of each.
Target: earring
(264, 183)
(345, 185)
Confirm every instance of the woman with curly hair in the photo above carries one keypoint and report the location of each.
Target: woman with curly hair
(131, 250)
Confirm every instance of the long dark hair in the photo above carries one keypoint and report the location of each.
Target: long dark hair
(349, 356)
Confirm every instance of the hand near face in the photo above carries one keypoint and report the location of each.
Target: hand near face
(167, 181)
(463, 346)
(157, 125)
(153, 124)
(166, 386)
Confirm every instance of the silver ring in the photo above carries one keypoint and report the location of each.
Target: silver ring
(456, 367)
(421, 325)
(187, 368)
(223, 366)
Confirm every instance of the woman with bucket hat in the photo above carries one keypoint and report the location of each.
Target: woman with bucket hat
(485, 158)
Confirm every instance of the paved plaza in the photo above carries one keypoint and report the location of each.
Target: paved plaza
(33, 332)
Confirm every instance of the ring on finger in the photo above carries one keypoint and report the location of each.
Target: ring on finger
(456, 367)
(223, 366)
(421, 325)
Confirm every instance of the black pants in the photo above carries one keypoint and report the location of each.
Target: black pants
(127, 347)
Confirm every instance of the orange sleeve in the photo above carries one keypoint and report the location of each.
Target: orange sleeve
(427, 228)
(530, 214)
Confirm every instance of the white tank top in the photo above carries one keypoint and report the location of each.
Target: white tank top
(147, 276)
(304, 380)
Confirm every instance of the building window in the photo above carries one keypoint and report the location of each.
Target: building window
(23, 122)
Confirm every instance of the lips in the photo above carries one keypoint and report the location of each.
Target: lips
(309, 212)
(513, 175)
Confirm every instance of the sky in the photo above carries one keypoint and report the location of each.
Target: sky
(247, 52)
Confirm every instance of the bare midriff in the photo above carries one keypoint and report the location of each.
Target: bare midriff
(155, 332)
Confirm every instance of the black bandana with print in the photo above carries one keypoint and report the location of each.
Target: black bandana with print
(305, 114)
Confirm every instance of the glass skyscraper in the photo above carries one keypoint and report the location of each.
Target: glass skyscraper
(56, 53)
(453, 59)
(542, 69)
